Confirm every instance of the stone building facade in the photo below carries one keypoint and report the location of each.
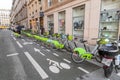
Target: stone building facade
(19, 13)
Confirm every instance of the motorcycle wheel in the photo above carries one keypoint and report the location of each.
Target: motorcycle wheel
(108, 70)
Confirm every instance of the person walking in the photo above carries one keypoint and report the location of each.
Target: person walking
(19, 29)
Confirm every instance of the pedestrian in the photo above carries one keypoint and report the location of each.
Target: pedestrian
(42, 30)
(18, 29)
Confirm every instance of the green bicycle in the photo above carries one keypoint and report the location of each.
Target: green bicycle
(81, 54)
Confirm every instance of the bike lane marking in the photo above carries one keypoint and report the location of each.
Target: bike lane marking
(37, 50)
(42, 47)
(14, 38)
(56, 67)
(23, 40)
(48, 50)
(19, 44)
(82, 69)
(55, 54)
(67, 61)
(38, 68)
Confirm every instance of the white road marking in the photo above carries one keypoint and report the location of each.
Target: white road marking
(37, 50)
(42, 53)
(38, 68)
(54, 69)
(55, 54)
(19, 44)
(64, 65)
(14, 54)
(118, 74)
(38, 44)
(23, 40)
(83, 70)
(26, 43)
(48, 50)
(42, 47)
(12, 35)
(67, 60)
(14, 38)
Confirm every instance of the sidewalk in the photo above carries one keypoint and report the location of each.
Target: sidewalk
(99, 75)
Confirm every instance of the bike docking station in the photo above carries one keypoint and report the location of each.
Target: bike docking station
(55, 66)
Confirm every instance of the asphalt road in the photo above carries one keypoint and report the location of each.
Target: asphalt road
(24, 59)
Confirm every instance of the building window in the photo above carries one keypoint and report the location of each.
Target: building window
(32, 12)
(78, 21)
(49, 3)
(61, 22)
(110, 19)
(39, 1)
(59, 0)
(50, 22)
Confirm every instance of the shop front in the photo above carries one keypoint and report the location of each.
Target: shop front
(79, 18)
(110, 19)
(78, 21)
(61, 20)
(50, 25)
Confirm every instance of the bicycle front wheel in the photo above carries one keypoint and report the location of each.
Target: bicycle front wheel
(77, 58)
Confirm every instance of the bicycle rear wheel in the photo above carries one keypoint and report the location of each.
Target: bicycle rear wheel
(77, 58)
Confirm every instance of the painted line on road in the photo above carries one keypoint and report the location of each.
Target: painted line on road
(80, 68)
(19, 44)
(14, 38)
(42, 54)
(55, 54)
(37, 50)
(23, 40)
(48, 50)
(14, 54)
(12, 35)
(41, 72)
(42, 47)
(67, 60)
(38, 44)
(118, 74)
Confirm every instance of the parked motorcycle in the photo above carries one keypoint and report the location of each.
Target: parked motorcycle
(109, 54)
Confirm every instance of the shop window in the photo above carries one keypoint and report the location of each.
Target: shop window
(109, 19)
(78, 21)
(61, 22)
(32, 12)
(59, 0)
(49, 3)
(50, 24)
